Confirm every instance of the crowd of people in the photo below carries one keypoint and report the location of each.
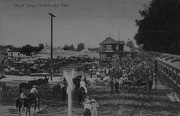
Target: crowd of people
(90, 106)
(129, 68)
(132, 68)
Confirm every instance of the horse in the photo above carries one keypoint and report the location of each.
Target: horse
(25, 86)
(60, 89)
(35, 99)
(56, 90)
(31, 99)
(2, 76)
(81, 94)
(19, 105)
(77, 81)
(4, 88)
(117, 86)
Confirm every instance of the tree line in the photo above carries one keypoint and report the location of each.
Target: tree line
(71, 47)
(159, 28)
(27, 49)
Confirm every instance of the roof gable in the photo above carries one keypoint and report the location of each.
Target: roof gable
(109, 40)
(121, 42)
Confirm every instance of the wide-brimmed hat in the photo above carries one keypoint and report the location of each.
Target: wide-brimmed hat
(34, 86)
(93, 101)
(87, 100)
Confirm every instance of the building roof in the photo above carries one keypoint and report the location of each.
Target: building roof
(121, 42)
(3, 50)
(14, 50)
(110, 40)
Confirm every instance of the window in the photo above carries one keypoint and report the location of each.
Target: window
(174, 75)
(164, 69)
(169, 73)
(178, 76)
(109, 47)
(117, 48)
(11, 54)
(104, 47)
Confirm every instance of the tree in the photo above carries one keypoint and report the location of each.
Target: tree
(41, 46)
(130, 44)
(80, 47)
(27, 50)
(71, 47)
(66, 47)
(158, 28)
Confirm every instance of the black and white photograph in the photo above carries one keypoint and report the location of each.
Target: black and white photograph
(89, 57)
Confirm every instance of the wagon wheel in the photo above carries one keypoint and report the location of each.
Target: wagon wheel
(126, 88)
(145, 89)
(88, 83)
(41, 87)
(47, 85)
(28, 72)
(95, 82)
(106, 84)
(15, 90)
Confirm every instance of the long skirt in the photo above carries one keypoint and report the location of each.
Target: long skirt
(87, 112)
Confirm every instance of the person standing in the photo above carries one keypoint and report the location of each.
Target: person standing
(94, 105)
(97, 74)
(64, 94)
(150, 82)
(83, 84)
(22, 97)
(117, 86)
(112, 85)
(155, 79)
(87, 107)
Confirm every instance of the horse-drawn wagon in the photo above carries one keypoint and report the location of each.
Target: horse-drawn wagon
(41, 82)
(103, 81)
(136, 84)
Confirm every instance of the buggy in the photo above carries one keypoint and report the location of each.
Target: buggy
(103, 81)
(138, 84)
(42, 83)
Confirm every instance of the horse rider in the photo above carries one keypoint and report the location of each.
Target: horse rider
(22, 96)
(63, 88)
(83, 84)
(33, 91)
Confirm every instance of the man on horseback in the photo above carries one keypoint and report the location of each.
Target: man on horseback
(83, 84)
(33, 92)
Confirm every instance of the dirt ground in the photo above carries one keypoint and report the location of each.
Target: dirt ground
(133, 103)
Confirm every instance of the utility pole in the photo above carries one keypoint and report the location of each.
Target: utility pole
(52, 16)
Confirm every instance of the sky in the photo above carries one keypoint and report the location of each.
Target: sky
(88, 21)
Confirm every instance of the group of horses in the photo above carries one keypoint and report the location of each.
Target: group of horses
(59, 89)
(4, 88)
(28, 102)
(29, 84)
(31, 99)
(79, 92)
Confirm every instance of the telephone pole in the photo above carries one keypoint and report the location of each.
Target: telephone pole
(52, 16)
